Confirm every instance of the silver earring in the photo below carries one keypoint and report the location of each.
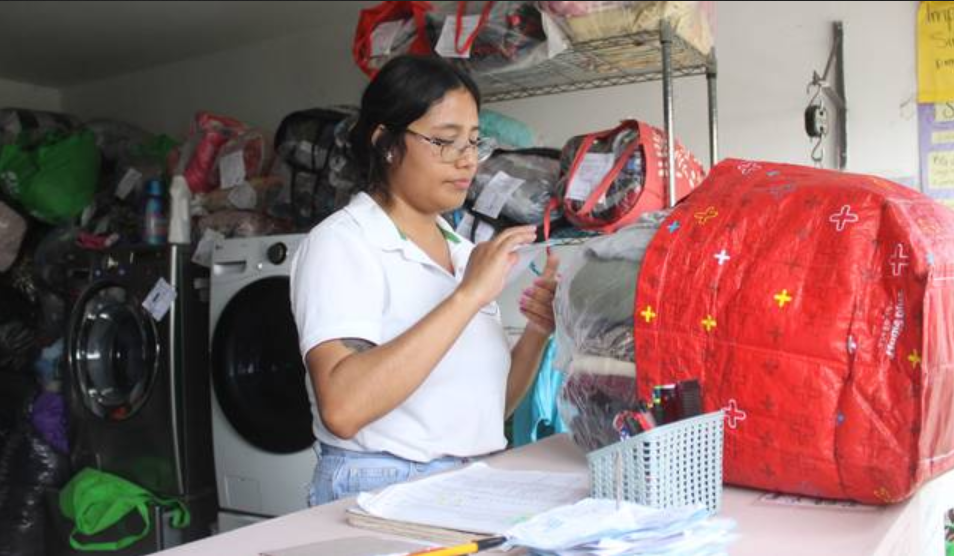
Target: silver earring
(389, 158)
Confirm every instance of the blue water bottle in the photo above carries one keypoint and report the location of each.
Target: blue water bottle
(155, 221)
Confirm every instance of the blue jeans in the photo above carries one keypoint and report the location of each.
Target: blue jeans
(343, 473)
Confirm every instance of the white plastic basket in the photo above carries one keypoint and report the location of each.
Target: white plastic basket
(669, 466)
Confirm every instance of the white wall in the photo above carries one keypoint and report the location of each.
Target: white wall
(14, 94)
(257, 84)
(767, 52)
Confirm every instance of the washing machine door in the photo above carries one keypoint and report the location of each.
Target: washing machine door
(257, 372)
(113, 352)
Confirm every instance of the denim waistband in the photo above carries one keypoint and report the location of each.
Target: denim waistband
(326, 449)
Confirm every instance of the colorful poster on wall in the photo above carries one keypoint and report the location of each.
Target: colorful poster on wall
(935, 32)
(936, 127)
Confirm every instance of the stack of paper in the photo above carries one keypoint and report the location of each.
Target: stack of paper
(605, 528)
(462, 505)
(477, 498)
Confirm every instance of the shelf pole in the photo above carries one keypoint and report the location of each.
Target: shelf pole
(665, 39)
(711, 74)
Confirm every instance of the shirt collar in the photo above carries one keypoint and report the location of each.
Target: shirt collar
(381, 231)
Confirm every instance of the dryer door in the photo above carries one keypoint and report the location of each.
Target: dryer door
(257, 373)
(112, 352)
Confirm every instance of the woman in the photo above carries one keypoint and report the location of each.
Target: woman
(410, 370)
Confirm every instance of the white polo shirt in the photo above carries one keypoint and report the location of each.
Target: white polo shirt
(356, 276)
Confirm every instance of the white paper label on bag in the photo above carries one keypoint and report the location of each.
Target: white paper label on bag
(496, 193)
(203, 251)
(556, 40)
(85, 217)
(382, 38)
(232, 169)
(159, 300)
(589, 174)
(130, 180)
(243, 197)
(445, 44)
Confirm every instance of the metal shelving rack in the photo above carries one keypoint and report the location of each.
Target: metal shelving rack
(635, 58)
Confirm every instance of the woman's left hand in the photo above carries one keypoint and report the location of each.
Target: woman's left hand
(536, 302)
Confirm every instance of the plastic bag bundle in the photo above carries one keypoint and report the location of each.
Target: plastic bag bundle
(581, 22)
(53, 180)
(305, 198)
(344, 174)
(240, 223)
(12, 229)
(249, 150)
(307, 139)
(28, 467)
(198, 158)
(31, 126)
(390, 29)
(116, 139)
(516, 185)
(507, 132)
(503, 36)
(626, 186)
(594, 330)
(611, 177)
(18, 339)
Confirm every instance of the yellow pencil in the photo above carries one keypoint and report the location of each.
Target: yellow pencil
(459, 550)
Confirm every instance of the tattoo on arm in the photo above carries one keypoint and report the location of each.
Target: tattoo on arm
(357, 344)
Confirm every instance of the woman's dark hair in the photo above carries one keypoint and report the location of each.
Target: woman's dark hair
(401, 93)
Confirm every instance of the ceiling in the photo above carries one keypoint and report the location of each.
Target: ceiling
(62, 43)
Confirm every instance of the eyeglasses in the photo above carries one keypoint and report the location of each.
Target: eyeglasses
(451, 152)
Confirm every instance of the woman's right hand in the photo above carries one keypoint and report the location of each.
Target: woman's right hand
(490, 262)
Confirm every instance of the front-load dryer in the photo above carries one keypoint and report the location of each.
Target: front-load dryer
(261, 420)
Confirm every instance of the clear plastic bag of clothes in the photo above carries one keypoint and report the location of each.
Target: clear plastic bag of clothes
(242, 157)
(390, 29)
(240, 223)
(254, 194)
(594, 330)
(627, 185)
(305, 199)
(494, 36)
(306, 138)
(517, 185)
(611, 177)
(117, 139)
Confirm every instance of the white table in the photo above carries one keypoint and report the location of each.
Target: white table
(910, 528)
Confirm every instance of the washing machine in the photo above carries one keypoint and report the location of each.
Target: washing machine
(261, 420)
(139, 376)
